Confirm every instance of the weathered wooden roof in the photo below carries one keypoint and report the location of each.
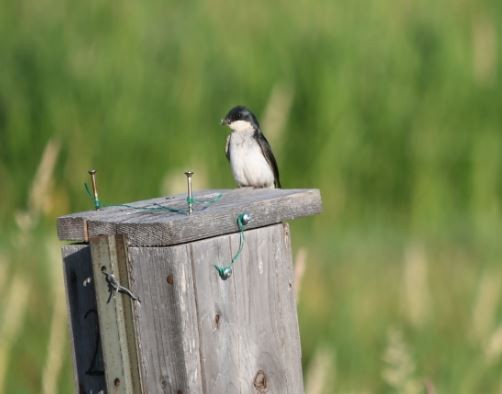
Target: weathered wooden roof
(146, 224)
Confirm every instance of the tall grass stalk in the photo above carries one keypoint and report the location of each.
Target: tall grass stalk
(399, 366)
(3, 274)
(39, 196)
(12, 321)
(300, 266)
(58, 332)
(485, 306)
(321, 372)
(38, 199)
(493, 347)
(415, 288)
(276, 113)
(484, 42)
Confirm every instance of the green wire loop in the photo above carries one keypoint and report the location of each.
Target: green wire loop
(156, 207)
(226, 271)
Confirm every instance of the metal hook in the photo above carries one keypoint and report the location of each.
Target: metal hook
(114, 287)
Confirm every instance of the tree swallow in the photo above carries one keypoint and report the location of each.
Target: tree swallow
(247, 149)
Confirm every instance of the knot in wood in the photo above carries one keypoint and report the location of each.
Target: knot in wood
(260, 381)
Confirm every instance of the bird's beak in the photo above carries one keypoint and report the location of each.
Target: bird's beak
(224, 122)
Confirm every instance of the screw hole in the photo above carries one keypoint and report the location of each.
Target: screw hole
(170, 279)
(217, 320)
(116, 382)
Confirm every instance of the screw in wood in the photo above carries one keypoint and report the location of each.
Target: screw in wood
(92, 173)
(189, 175)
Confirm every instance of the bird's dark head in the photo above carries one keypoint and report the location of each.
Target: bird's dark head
(240, 118)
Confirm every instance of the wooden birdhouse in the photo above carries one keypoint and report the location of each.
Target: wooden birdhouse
(162, 301)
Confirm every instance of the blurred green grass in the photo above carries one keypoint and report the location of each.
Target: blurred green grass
(391, 109)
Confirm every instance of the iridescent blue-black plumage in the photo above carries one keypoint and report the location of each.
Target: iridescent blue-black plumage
(242, 121)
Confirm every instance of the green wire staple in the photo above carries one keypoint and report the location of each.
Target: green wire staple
(156, 207)
(95, 200)
(194, 200)
(225, 272)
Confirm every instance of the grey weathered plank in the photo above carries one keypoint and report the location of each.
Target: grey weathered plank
(117, 329)
(166, 319)
(81, 301)
(249, 338)
(266, 206)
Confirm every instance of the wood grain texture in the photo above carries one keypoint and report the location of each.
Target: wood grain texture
(248, 330)
(166, 319)
(81, 301)
(117, 329)
(146, 228)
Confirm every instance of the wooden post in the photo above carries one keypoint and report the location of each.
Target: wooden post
(167, 321)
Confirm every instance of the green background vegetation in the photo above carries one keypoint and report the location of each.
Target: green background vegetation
(392, 109)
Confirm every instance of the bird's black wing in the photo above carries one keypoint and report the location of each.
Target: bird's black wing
(269, 156)
(227, 148)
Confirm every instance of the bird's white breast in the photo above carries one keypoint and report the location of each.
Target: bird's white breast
(249, 166)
